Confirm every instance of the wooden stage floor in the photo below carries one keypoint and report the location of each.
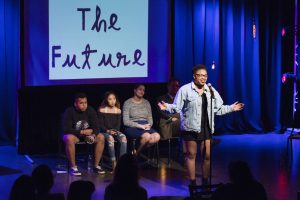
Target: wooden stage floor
(265, 153)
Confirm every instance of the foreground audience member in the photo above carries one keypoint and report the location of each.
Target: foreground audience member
(125, 184)
(137, 117)
(23, 189)
(43, 180)
(242, 186)
(81, 190)
(109, 114)
(80, 123)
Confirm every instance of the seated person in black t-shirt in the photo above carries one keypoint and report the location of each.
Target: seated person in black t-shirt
(80, 123)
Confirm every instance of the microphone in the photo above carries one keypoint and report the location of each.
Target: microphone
(211, 90)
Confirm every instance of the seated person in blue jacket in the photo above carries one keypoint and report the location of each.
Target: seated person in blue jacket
(137, 117)
(80, 123)
(109, 114)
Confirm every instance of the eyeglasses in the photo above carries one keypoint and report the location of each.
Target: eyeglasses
(201, 75)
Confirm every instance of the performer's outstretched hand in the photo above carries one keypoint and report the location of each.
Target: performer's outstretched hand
(237, 106)
(162, 105)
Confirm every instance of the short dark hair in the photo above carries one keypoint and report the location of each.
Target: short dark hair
(79, 95)
(136, 86)
(198, 67)
(171, 80)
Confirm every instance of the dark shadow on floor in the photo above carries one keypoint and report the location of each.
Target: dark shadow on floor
(8, 171)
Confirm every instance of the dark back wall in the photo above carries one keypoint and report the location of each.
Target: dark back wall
(41, 110)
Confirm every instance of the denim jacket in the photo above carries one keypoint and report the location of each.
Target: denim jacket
(188, 103)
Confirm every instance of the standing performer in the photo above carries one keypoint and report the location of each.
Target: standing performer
(193, 102)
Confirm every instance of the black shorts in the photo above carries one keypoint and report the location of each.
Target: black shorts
(195, 136)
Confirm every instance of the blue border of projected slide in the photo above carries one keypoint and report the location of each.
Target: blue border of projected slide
(98, 39)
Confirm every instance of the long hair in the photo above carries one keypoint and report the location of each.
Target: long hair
(105, 102)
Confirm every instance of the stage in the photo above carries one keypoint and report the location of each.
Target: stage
(266, 154)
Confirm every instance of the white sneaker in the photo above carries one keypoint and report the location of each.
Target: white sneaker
(74, 171)
(98, 170)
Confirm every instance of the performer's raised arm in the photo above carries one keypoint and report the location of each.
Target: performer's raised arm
(176, 106)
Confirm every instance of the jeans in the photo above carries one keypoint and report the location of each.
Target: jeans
(110, 140)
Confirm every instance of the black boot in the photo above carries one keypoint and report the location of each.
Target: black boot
(205, 181)
(193, 182)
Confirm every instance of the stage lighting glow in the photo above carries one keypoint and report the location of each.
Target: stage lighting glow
(282, 32)
(213, 66)
(288, 76)
(283, 78)
(254, 29)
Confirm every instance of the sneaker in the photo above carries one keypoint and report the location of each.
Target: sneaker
(99, 170)
(74, 171)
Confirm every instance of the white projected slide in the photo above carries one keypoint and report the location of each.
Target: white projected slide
(98, 39)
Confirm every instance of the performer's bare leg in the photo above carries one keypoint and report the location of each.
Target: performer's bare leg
(190, 160)
(205, 162)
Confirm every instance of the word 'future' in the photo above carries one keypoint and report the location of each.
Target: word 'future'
(105, 60)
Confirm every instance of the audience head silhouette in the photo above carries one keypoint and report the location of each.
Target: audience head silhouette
(81, 190)
(126, 172)
(239, 172)
(23, 189)
(125, 184)
(43, 179)
(242, 185)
